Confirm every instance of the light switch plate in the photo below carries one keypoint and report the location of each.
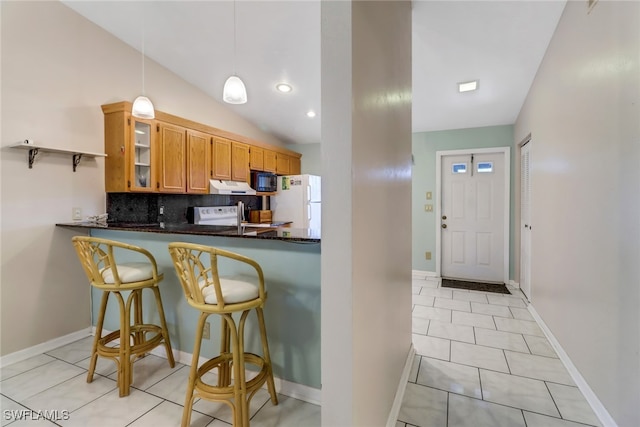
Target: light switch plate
(429, 195)
(76, 214)
(428, 208)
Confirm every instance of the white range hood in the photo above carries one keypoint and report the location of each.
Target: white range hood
(238, 188)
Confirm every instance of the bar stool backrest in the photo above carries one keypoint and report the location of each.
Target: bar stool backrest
(197, 269)
(98, 260)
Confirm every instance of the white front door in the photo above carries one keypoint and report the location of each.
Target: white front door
(472, 212)
(525, 221)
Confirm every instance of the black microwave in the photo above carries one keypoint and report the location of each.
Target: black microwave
(264, 181)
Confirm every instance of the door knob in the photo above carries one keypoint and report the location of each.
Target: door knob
(444, 225)
(444, 217)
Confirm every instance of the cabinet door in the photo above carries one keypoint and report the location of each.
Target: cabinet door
(221, 158)
(141, 167)
(294, 166)
(282, 167)
(256, 158)
(198, 162)
(172, 175)
(270, 163)
(240, 162)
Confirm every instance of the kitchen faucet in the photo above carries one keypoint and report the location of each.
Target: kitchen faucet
(240, 217)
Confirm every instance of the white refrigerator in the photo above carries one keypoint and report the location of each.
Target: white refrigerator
(298, 200)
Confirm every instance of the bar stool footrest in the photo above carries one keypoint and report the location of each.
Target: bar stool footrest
(137, 349)
(226, 392)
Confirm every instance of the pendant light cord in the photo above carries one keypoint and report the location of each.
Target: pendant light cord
(234, 37)
(143, 28)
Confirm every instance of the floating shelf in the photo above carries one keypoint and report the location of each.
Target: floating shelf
(35, 149)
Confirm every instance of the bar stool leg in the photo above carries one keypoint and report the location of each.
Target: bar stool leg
(224, 370)
(242, 381)
(193, 373)
(240, 417)
(98, 336)
(163, 324)
(124, 370)
(267, 357)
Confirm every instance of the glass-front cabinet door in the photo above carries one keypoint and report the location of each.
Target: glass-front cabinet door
(142, 165)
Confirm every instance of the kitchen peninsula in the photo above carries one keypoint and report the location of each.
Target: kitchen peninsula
(290, 259)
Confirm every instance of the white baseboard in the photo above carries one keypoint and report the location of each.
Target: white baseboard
(37, 349)
(597, 406)
(514, 284)
(421, 274)
(402, 386)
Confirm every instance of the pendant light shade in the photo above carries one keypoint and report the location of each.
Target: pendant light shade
(234, 91)
(143, 108)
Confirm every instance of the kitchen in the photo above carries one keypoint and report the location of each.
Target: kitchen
(232, 216)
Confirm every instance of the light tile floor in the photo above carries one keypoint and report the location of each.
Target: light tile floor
(56, 380)
(481, 360)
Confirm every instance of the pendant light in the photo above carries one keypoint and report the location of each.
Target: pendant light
(142, 107)
(234, 91)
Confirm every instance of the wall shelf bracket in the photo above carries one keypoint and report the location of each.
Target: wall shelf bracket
(32, 156)
(76, 160)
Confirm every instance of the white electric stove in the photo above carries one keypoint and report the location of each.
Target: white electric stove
(215, 215)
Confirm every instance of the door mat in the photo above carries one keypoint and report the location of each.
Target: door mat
(498, 288)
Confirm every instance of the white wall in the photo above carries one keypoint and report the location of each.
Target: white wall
(366, 240)
(583, 112)
(57, 69)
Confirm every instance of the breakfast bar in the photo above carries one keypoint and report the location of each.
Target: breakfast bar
(290, 259)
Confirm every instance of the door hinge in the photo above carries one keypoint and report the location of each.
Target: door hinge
(128, 184)
(157, 128)
(128, 122)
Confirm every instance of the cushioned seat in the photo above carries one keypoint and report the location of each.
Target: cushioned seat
(100, 263)
(197, 269)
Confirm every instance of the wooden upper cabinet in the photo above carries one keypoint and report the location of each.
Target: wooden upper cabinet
(172, 163)
(270, 162)
(170, 154)
(221, 158)
(283, 164)
(256, 158)
(239, 161)
(129, 144)
(198, 162)
(294, 165)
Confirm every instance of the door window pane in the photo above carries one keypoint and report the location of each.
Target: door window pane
(484, 167)
(459, 168)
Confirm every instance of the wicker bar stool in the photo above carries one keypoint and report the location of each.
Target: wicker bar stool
(136, 339)
(197, 268)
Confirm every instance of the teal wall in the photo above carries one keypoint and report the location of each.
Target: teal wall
(292, 311)
(425, 145)
(311, 160)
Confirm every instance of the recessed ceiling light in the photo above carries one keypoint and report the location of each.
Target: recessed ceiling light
(311, 113)
(468, 86)
(283, 87)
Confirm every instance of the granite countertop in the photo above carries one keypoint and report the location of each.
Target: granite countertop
(260, 232)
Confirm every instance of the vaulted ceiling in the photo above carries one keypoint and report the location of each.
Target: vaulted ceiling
(499, 43)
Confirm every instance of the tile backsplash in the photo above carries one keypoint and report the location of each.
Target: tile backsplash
(145, 208)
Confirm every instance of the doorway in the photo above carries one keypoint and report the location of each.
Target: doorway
(525, 218)
(472, 208)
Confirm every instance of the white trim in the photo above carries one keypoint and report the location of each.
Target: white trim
(507, 195)
(421, 274)
(402, 386)
(38, 349)
(514, 284)
(597, 406)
